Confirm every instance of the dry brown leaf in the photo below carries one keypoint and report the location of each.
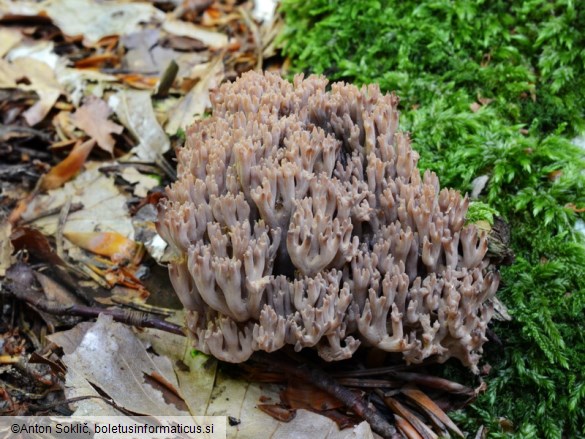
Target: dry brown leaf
(97, 61)
(475, 107)
(574, 208)
(215, 40)
(138, 81)
(239, 399)
(278, 412)
(67, 169)
(406, 428)
(92, 117)
(397, 408)
(55, 292)
(69, 340)
(35, 244)
(306, 396)
(142, 183)
(144, 55)
(430, 408)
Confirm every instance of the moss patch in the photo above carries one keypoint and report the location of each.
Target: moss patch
(496, 89)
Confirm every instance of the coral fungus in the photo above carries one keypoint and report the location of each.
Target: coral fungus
(300, 217)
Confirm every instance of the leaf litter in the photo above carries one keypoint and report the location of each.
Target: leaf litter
(129, 78)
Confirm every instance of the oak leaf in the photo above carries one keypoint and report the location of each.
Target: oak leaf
(92, 117)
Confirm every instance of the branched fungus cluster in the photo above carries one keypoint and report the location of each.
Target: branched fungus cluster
(300, 217)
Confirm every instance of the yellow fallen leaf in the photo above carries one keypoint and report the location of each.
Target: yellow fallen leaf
(111, 244)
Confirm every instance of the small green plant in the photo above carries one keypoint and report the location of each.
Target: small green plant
(495, 89)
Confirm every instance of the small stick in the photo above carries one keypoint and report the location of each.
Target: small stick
(369, 383)
(50, 212)
(44, 407)
(433, 382)
(167, 79)
(60, 226)
(378, 370)
(129, 317)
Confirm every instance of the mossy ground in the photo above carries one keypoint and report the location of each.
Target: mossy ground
(496, 89)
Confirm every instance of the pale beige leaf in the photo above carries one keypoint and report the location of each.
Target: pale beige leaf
(104, 206)
(142, 183)
(195, 371)
(8, 39)
(6, 249)
(307, 424)
(41, 80)
(239, 399)
(8, 7)
(95, 20)
(92, 117)
(113, 359)
(215, 40)
(264, 10)
(134, 110)
(38, 63)
(75, 82)
(43, 51)
(76, 385)
(8, 75)
(70, 339)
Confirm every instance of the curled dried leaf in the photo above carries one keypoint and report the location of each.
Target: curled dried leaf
(66, 169)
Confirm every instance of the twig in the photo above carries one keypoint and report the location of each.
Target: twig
(324, 382)
(50, 212)
(38, 408)
(167, 79)
(253, 27)
(378, 370)
(129, 317)
(369, 383)
(7, 129)
(60, 226)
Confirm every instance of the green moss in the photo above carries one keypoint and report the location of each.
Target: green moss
(479, 211)
(494, 88)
